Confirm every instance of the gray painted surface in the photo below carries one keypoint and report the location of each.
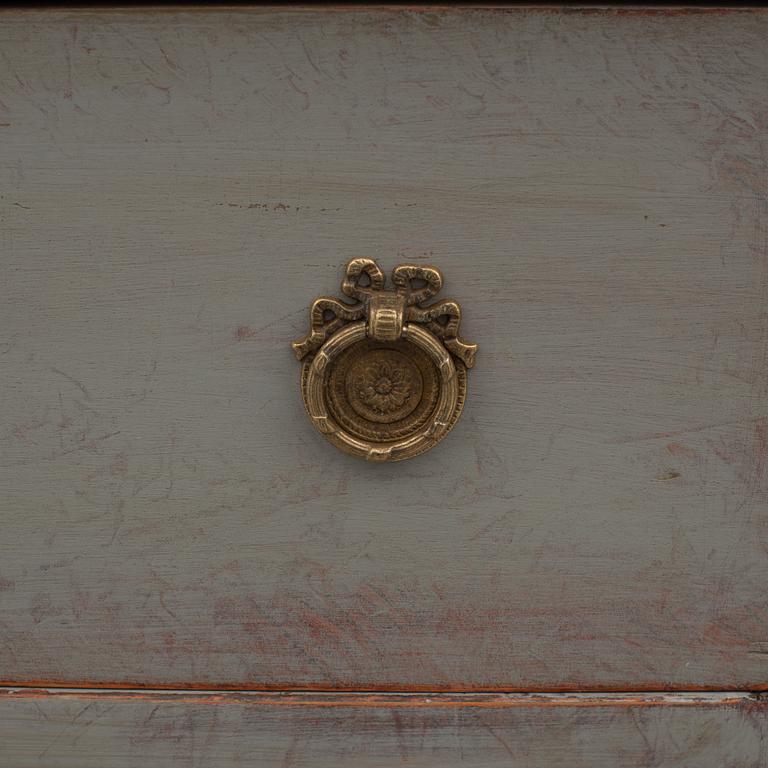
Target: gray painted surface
(175, 189)
(49, 730)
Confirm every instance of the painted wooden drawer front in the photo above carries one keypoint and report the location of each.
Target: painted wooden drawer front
(178, 186)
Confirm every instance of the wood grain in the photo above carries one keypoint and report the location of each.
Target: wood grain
(46, 729)
(176, 188)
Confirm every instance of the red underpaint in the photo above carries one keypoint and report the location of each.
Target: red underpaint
(681, 450)
(403, 701)
(761, 443)
(243, 332)
(119, 465)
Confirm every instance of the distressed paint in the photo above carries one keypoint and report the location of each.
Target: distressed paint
(86, 728)
(598, 520)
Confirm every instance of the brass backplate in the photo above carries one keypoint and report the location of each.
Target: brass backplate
(384, 377)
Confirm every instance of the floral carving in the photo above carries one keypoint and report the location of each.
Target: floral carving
(384, 386)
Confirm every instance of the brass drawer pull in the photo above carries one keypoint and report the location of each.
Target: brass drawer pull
(385, 377)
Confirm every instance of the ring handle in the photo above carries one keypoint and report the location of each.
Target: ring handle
(385, 378)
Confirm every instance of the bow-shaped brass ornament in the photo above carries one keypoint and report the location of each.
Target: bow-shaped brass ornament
(385, 377)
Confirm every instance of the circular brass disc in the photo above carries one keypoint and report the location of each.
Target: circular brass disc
(382, 391)
(384, 400)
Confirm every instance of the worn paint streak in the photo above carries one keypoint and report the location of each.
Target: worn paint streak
(434, 701)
